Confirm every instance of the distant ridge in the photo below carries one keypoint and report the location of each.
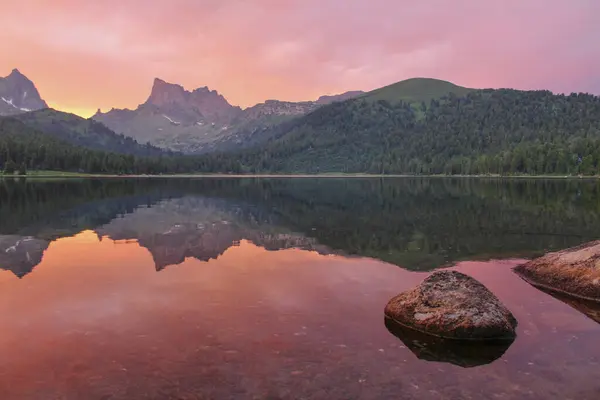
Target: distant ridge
(327, 99)
(202, 120)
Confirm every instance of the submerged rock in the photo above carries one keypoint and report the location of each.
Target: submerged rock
(574, 272)
(465, 354)
(452, 305)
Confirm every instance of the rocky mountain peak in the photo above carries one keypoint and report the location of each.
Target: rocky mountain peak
(18, 95)
(173, 98)
(164, 93)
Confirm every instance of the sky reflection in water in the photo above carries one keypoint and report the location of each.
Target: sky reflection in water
(96, 320)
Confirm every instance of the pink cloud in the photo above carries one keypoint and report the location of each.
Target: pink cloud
(85, 55)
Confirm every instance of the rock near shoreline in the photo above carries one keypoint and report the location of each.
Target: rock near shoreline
(574, 272)
(452, 305)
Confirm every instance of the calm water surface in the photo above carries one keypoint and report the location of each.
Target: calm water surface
(274, 289)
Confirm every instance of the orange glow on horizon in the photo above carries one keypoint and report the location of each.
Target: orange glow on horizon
(82, 112)
(83, 56)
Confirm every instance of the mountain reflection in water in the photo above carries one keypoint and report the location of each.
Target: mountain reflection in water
(418, 224)
(256, 295)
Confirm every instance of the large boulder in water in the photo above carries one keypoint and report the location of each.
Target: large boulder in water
(452, 305)
(574, 272)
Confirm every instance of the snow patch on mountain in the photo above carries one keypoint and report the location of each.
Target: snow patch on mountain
(10, 102)
(170, 120)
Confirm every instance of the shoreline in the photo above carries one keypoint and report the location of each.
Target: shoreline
(325, 175)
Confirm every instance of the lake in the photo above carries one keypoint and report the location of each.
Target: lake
(275, 288)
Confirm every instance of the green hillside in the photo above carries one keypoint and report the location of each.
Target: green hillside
(482, 132)
(84, 132)
(418, 126)
(416, 90)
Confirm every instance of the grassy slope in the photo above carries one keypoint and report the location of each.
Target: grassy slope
(416, 90)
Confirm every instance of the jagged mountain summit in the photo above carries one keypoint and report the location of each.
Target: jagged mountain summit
(19, 95)
(203, 104)
(174, 118)
(201, 120)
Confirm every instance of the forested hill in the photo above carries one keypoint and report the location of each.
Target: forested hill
(23, 149)
(474, 132)
(420, 126)
(85, 133)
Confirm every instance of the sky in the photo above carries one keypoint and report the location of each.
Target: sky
(85, 55)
